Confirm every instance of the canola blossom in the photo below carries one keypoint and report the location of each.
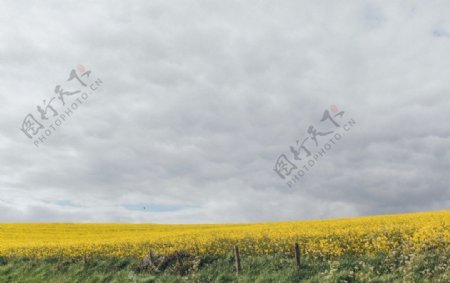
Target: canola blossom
(408, 233)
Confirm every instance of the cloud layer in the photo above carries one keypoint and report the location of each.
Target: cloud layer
(199, 98)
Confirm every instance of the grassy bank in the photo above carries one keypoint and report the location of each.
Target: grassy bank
(431, 266)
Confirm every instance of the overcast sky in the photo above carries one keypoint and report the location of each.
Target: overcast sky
(198, 99)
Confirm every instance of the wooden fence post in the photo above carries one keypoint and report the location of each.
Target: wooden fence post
(150, 258)
(177, 254)
(297, 255)
(237, 260)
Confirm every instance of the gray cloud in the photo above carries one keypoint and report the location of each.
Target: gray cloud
(200, 98)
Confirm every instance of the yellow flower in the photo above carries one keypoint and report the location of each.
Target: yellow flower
(325, 238)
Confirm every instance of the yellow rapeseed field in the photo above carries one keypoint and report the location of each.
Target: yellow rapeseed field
(413, 232)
